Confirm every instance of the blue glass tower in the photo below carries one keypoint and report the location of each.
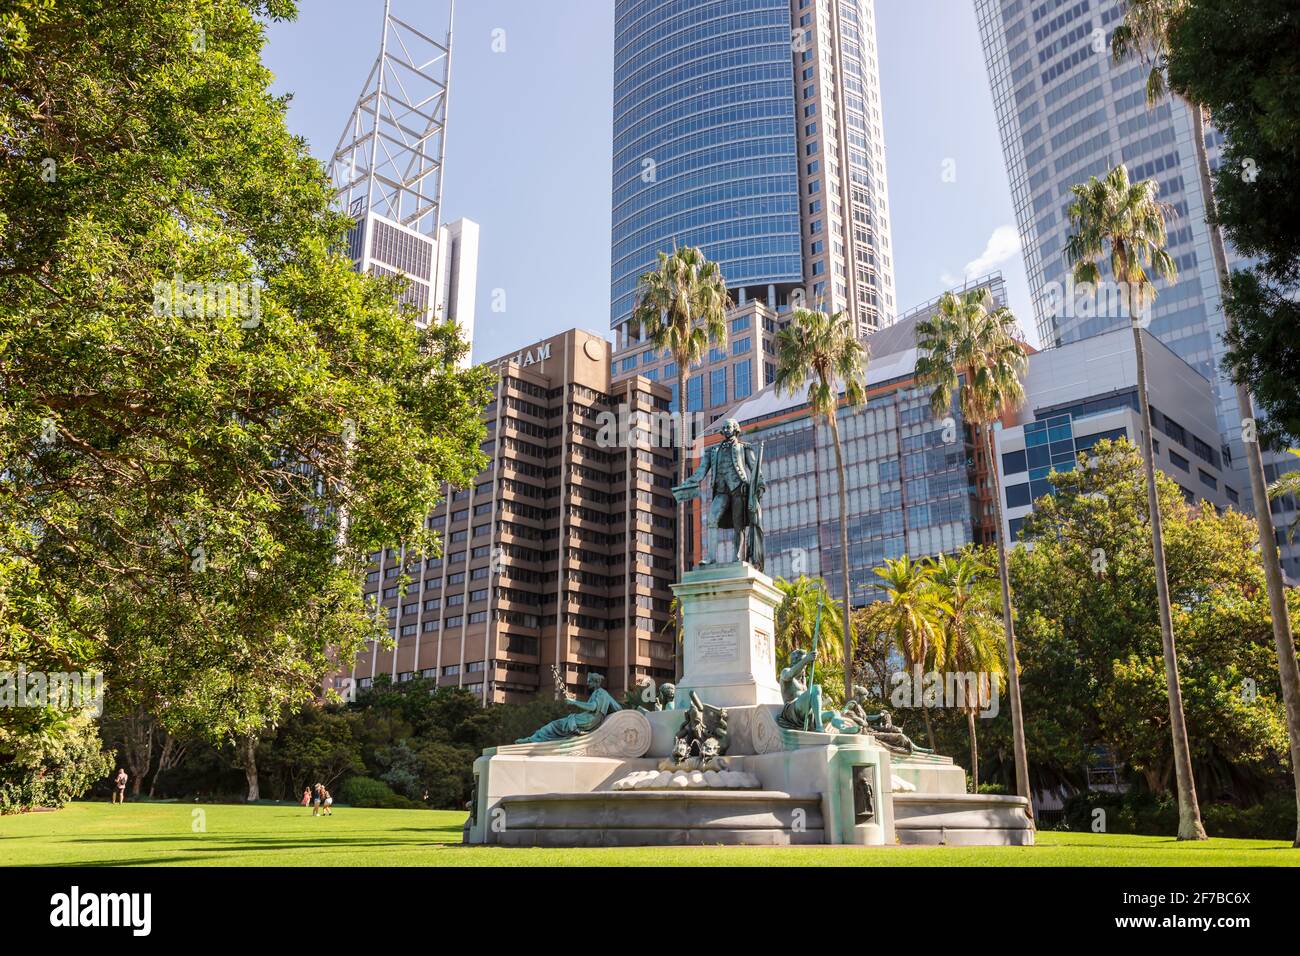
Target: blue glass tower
(705, 150)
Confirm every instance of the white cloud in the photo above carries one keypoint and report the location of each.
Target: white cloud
(1002, 247)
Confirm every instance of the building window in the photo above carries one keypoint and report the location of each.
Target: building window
(1013, 463)
(1018, 496)
(1207, 479)
(695, 394)
(1179, 460)
(718, 387)
(744, 375)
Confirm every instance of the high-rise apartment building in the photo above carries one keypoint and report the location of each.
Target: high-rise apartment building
(752, 129)
(1066, 112)
(559, 553)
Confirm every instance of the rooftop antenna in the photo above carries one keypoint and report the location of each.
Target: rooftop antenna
(390, 156)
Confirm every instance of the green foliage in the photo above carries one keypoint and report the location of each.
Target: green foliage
(1240, 59)
(1091, 660)
(822, 354)
(1126, 219)
(172, 480)
(796, 620)
(50, 767)
(682, 304)
(969, 346)
(417, 740)
(367, 792)
(1140, 812)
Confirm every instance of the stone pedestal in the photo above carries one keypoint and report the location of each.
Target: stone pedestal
(728, 613)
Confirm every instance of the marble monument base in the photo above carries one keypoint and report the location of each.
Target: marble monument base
(728, 620)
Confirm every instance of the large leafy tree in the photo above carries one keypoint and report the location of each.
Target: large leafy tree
(1262, 317)
(821, 354)
(969, 346)
(175, 466)
(1127, 221)
(1092, 635)
(681, 306)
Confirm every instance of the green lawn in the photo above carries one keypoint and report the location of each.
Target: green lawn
(90, 834)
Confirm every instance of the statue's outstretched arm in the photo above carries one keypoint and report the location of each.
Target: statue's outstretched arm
(691, 486)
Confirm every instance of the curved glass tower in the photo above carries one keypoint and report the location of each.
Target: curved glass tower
(704, 141)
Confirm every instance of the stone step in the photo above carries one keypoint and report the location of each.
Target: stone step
(654, 818)
(962, 819)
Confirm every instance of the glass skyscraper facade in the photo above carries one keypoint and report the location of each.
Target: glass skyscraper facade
(1066, 112)
(752, 129)
(704, 140)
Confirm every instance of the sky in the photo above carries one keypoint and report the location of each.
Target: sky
(528, 146)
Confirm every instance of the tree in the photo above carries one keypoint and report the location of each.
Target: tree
(682, 306)
(822, 352)
(804, 601)
(911, 614)
(1129, 220)
(1147, 28)
(1093, 643)
(874, 656)
(969, 347)
(1238, 60)
(970, 625)
(194, 382)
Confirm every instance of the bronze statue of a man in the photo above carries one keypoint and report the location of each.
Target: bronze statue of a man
(737, 491)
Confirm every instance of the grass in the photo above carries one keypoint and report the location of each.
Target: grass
(163, 834)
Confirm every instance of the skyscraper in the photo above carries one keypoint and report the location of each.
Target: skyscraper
(1066, 112)
(752, 129)
(387, 173)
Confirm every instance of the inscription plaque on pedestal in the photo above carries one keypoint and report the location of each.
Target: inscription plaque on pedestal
(716, 644)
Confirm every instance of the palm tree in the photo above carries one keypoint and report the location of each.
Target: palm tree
(1129, 219)
(823, 352)
(682, 306)
(1145, 30)
(970, 631)
(911, 613)
(969, 346)
(796, 619)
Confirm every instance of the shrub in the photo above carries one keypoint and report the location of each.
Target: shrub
(368, 792)
(1150, 815)
(52, 767)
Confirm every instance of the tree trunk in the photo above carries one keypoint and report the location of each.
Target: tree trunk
(929, 726)
(1009, 631)
(683, 459)
(173, 752)
(248, 746)
(1281, 616)
(137, 740)
(1189, 812)
(847, 589)
(974, 752)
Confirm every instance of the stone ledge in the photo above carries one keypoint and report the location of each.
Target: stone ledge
(659, 837)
